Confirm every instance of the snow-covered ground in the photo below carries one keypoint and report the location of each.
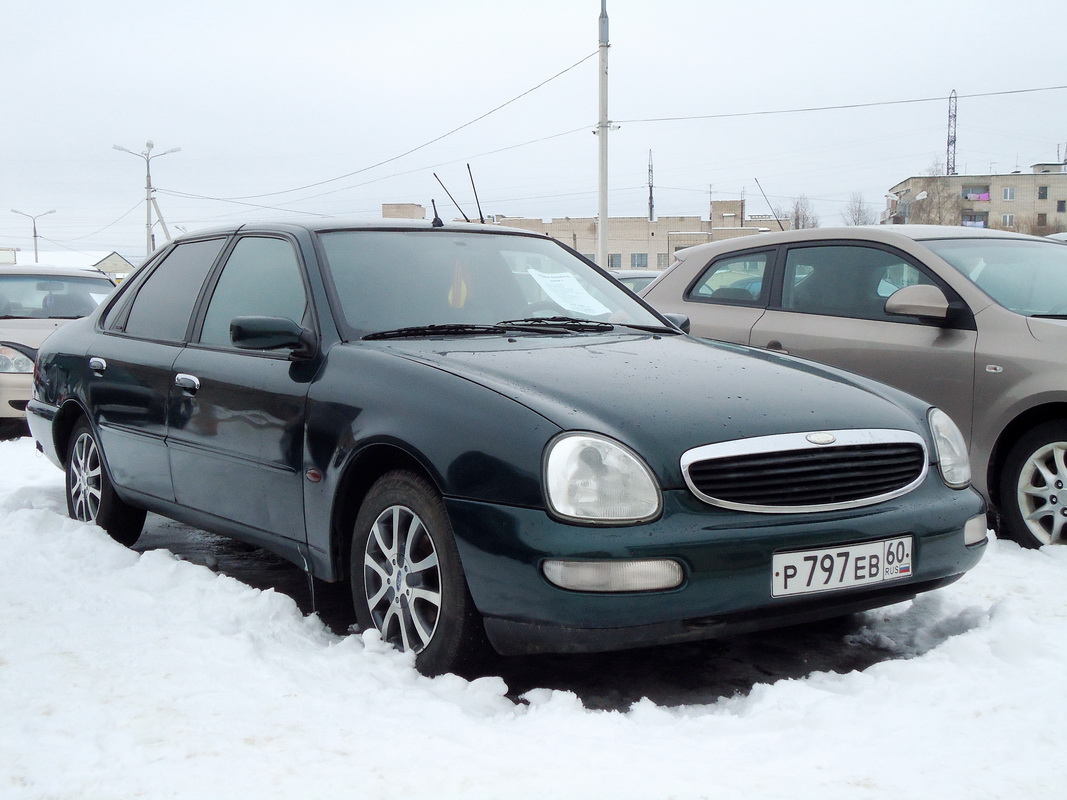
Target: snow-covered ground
(127, 675)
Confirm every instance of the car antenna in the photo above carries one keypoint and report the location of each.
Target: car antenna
(481, 216)
(780, 225)
(437, 223)
(450, 197)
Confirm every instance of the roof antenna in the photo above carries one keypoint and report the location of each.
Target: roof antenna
(481, 216)
(450, 197)
(436, 217)
(768, 202)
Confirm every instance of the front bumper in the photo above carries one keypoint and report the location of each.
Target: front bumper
(15, 390)
(726, 557)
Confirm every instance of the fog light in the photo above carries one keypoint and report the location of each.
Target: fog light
(648, 575)
(975, 530)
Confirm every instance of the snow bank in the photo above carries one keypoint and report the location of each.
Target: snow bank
(126, 675)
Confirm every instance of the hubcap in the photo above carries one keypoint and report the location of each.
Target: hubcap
(402, 579)
(1042, 501)
(85, 479)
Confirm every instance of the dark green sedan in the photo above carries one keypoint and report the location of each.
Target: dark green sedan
(494, 443)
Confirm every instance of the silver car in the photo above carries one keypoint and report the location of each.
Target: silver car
(34, 301)
(971, 320)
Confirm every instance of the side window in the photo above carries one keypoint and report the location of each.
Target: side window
(164, 301)
(846, 280)
(261, 278)
(734, 279)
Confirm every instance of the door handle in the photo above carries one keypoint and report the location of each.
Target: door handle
(776, 346)
(97, 364)
(188, 383)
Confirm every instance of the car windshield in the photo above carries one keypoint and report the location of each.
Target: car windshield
(1028, 277)
(391, 280)
(50, 297)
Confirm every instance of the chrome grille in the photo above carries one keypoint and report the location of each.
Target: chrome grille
(800, 472)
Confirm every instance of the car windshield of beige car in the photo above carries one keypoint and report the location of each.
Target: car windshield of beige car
(394, 283)
(1026, 277)
(47, 297)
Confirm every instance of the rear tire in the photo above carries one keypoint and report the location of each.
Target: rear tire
(1033, 487)
(407, 580)
(91, 497)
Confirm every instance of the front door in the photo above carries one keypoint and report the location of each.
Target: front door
(236, 427)
(832, 310)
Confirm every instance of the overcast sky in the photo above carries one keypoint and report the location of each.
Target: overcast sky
(273, 101)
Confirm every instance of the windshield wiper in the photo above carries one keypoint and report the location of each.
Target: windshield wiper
(452, 329)
(572, 324)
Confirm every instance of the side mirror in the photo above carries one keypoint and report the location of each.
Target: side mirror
(272, 333)
(680, 321)
(925, 301)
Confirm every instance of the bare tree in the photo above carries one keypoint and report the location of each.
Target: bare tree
(802, 214)
(935, 202)
(857, 212)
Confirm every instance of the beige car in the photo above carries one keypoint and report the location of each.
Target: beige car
(34, 301)
(971, 320)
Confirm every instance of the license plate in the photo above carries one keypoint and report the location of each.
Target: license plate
(845, 567)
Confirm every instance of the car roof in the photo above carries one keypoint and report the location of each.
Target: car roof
(349, 223)
(49, 271)
(886, 234)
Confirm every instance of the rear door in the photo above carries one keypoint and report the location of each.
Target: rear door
(128, 370)
(831, 309)
(725, 300)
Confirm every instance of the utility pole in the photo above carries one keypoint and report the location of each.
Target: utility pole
(34, 218)
(651, 203)
(602, 133)
(950, 154)
(149, 201)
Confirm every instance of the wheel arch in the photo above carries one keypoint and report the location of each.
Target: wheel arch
(364, 468)
(1027, 420)
(66, 419)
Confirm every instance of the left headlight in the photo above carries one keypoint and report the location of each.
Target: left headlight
(594, 479)
(12, 360)
(951, 449)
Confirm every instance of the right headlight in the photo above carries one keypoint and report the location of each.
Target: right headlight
(951, 449)
(12, 360)
(594, 479)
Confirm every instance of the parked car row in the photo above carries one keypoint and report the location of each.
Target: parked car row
(971, 320)
(496, 444)
(34, 301)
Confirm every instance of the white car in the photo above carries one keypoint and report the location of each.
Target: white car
(34, 301)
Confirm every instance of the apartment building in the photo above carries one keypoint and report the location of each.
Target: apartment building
(1027, 202)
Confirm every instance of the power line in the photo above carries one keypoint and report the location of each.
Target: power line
(421, 146)
(835, 108)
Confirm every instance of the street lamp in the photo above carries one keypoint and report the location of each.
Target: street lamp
(149, 201)
(34, 218)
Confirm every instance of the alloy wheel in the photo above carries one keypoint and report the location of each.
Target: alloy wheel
(402, 579)
(1042, 493)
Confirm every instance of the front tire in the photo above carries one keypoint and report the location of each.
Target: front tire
(407, 580)
(1033, 487)
(91, 497)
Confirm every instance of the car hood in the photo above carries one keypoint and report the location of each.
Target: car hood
(1049, 331)
(30, 332)
(667, 393)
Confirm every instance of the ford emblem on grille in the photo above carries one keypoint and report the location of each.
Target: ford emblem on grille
(821, 438)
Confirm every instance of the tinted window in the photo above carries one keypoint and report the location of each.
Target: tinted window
(164, 302)
(845, 280)
(735, 279)
(261, 278)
